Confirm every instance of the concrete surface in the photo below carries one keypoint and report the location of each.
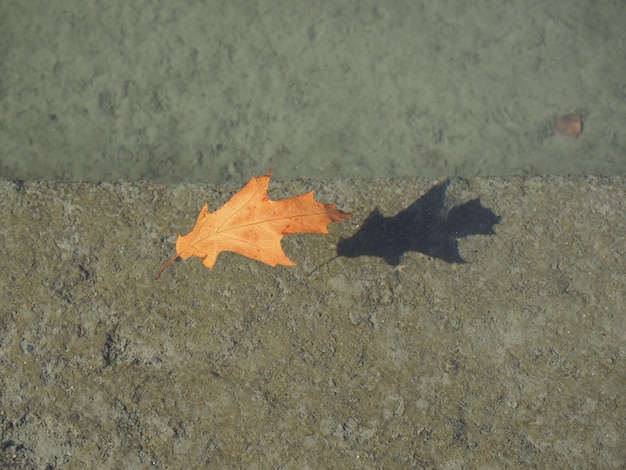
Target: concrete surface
(214, 91)
(512, 358)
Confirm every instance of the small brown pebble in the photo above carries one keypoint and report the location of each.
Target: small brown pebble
(570, 125)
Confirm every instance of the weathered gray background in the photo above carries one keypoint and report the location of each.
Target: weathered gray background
(215, 91)
(515, 358)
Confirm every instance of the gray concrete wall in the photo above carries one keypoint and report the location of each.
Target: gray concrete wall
(214, 91)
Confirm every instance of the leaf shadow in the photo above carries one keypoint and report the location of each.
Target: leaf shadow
(425, 226)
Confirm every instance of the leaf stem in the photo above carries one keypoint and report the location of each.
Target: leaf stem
(165, 266)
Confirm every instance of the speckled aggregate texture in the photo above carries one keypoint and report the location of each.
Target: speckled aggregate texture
(512, 359)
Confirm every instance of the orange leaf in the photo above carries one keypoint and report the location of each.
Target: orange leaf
(252, 225)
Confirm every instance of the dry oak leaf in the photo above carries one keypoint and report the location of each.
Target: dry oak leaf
(252, 225)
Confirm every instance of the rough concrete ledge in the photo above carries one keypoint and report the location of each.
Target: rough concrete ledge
(512, 358)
